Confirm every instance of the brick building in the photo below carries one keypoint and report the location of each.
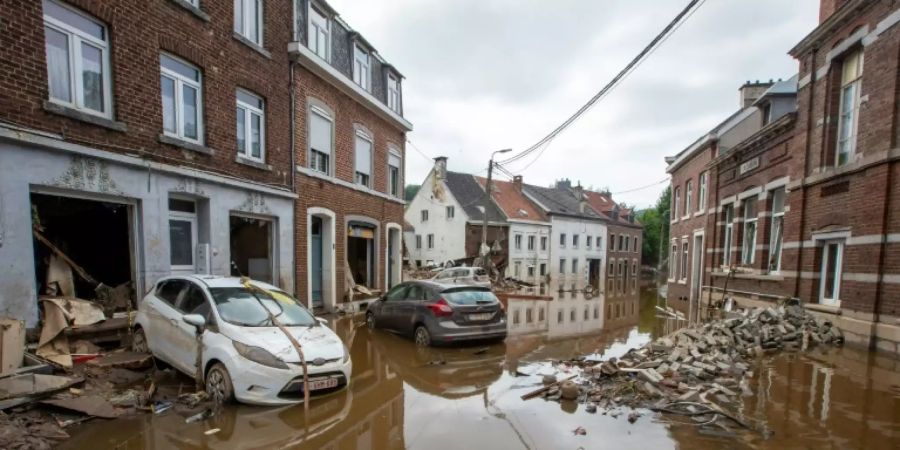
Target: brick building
(807, 205)
(350, 137)
(144, 139)
(625, 240)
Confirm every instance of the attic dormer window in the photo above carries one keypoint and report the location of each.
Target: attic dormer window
(318, 33)
(361, 67)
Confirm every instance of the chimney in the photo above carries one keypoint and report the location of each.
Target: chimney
(579, 195)
(751, 91)
(614, 214)
(827, 8)
(440, 167)
(517, 182)
(563, 184)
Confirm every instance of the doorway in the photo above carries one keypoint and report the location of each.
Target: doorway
(320, 260)
(696, 273)
(361, 254)
(830, 273)
(252, 247)
(594, 266)
(394, 253)
(315, 264)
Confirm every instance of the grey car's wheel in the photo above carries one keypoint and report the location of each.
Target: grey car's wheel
(423, 337)
(139, 341)
(218, 384)
(370, 321)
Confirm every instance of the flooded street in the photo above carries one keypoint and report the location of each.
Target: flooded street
(401, 396)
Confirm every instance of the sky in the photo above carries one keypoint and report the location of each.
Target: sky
(484, 75)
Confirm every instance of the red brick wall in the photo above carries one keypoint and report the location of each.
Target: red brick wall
(139, 30)
(631, 254)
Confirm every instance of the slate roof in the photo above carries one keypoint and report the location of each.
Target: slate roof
(604, 203)
(512, 202)
(471, 196)
(561, 201)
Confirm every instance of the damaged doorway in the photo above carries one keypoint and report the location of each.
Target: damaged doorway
(361, 254)
(97, 236)
(594, 266)
(251, 247)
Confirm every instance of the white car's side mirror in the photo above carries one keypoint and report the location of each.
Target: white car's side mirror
(195, 319)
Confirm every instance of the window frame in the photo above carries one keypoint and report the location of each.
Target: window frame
(837, 265)
(748, 255)
(393, 92)
(676, 203)
(587, 241)
(702, 192)
(395, 178)
(418, 242)
(685, 249)
(531, 243)
(517, 240)
(673, 260)
(562, 266)
(612, 242)
(688, 193)
(562, 240)
(776, 239)
(180, 81)
(543, 243)
(856, 84)
(450, 212)
(315, 156)
(362, 78)
(75, 38)
(423, 215)
(728, 234)
(430, 241)
(183, 216)
(249, 111)
(575, 240)
(243, 29)
(369, 179)
(311, 26)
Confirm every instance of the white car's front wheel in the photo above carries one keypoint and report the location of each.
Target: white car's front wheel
(218, 384)
(139, 341)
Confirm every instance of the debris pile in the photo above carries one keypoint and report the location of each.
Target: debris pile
(700, 372)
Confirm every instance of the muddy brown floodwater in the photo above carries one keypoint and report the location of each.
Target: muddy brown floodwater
(404, 397)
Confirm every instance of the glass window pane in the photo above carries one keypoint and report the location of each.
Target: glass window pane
(168, 99)
(179, 67)
(239, 16)
(253, 13)
(241, 131)
(92, 76)
(58, 64)
(249, 99)
(831, 255)
(320, 133)
(181, 242)
(255, 142)
(74, 19)
(176, 204)
(189, 109)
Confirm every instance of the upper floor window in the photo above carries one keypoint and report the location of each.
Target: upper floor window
(182, 93)
(363, 161)
(248, 20)
(394, 170)
(518, 241)
(575, 265)
(251, 119)
(748, 251)
(562, 265)
(688, 194)
(451, 212)
(562, 239)
(701, 199)
(777, 230)
(676, 203)
(543, 243)
(318, 37)
(729, 234)
(599, 242)
(77, 49)
(361, 70)
(418, 241)
(321, 140)
(684, 261)
(612, 242)
(673, 260)
(622, 243)
(635, 247)
(587, 242)
(575, 241)
(430, 241)
(424, 215)
(851, 78)
(531, 243)
(393, 92)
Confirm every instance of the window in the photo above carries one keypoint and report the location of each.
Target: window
(729, 234)
(562, 239)
(612, 267)
(586, 312)
(635, 247)
(572, 315)
(612, 242)
(574, 241)
(361, 70)
(424, 215)
(182, 233)
(575, 266)
(518, 241)
(633, 267)
(776, 230)
(531, 243)
(394, 165)
(530, 271)
(363, 160)
(627, 243)
(621, 267)
(676, 203)
(318, 37)
(562, 266)
(587, 242)
(673, 260)
(451, 212)
(559, 316)
(543, 243)
(701, 201)
(321, 140)
(621, 242)
(430, 241)
(599, 242)
(543, 269)
(851, 78)
(77, 49)
(182, 92)
(540, 314)
(688, 193)
(830, 275)
(748, 250)
(517, 269)
(248, 20)
(418, 241)
(393, 92)
(528, 316)
(251, 119)
(684, 261)
(516, 319)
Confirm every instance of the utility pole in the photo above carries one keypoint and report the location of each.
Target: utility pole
(484, 250)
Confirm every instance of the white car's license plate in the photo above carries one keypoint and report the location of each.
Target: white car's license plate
(481, 316)
(315, 385)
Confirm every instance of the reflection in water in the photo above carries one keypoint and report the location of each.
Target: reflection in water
(405, 397)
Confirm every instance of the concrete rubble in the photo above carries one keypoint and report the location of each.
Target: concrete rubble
(702, 371)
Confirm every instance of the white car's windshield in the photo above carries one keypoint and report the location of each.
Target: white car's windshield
(239, 306)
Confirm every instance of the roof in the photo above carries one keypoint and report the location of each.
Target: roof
(513, 202)
(561, 201)
(722, 127)
(471, 196)
(781, 87)
(408, 226)
(603, 203)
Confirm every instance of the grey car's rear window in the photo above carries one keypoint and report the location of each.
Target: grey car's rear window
(468, 296)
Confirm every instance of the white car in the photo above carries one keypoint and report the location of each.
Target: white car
(473, 276)
(244, 355)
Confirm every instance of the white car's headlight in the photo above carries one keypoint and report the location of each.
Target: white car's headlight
(346, 354)
(259, 355)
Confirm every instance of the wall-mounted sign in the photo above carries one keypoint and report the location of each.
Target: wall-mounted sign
(749, 165)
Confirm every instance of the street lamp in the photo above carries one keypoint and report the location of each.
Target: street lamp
(487, 199)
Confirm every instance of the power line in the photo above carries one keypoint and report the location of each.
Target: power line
(419, 151)
(669, 28)
(642, 187)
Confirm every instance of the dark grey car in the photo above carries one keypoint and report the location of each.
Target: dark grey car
(439, 313)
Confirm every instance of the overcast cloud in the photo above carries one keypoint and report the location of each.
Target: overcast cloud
(483, 75)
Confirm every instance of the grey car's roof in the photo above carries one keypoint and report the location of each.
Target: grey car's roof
(471, 196)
